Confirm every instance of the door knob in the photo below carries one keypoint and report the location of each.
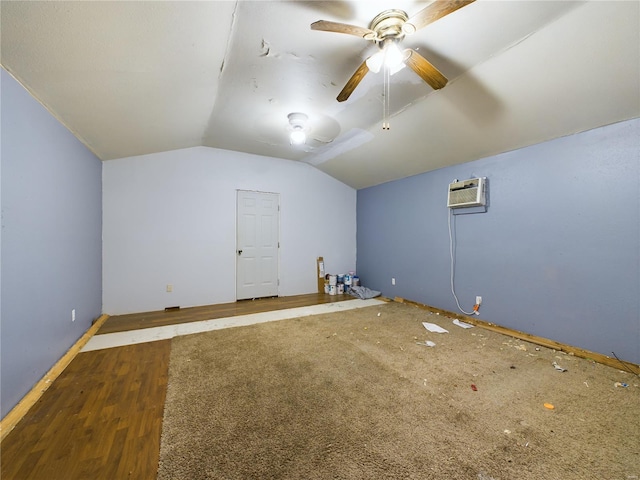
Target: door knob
(239, 252)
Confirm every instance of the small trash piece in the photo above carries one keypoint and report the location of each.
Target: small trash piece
(462, 324)
(378, 313)
(619, 384)
(427, 343)
(558, 367)
(432, 327)
(474, 388)
(549, 406)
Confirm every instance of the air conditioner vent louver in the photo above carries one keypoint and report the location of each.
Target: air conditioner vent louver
(468, 193)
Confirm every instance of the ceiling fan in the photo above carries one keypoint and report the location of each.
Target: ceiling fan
(387, 29)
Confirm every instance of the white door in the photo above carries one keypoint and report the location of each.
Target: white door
(257, 245)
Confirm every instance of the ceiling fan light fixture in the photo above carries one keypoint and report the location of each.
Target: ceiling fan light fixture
(396, 69)
(375, 61)
(297, 121)
(297, 137)
(390, 56)
(393, 59)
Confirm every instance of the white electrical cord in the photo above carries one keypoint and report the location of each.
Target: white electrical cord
(452, 265)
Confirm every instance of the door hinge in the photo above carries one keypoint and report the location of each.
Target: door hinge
(278, 244)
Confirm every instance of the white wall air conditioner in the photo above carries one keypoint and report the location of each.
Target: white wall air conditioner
(467, 193)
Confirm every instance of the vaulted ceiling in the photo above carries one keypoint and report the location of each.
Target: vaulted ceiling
(139, 77)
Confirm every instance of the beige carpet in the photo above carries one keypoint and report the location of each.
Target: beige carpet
(351, 395)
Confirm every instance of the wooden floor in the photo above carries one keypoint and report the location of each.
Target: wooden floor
(102, 417)
(136, 321)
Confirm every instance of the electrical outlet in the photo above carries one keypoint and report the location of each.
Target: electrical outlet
(478, 300)
(393, 281)
(169, 288)
(73, 315)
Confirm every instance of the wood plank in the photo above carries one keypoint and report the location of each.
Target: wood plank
(545, 342)
(136, 321)
(101, 419)
(320, 274)
(12, 418)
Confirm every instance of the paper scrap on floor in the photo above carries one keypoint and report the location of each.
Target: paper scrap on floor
(558, 367)
(462, 324)
(432, 327)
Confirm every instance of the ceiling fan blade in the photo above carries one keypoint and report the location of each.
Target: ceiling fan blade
(353, 82)
(422, 67)
(327, 26)
(432, 12)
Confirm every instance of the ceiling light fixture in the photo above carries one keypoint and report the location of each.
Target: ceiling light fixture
(391, 59)
(297, 137)
(297, 122)
(389, 56)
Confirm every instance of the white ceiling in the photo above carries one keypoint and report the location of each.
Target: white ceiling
(139, 77)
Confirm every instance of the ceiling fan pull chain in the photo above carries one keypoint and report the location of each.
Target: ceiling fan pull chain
(385, 100)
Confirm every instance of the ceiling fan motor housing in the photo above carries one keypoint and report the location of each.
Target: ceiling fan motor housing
(388, 24)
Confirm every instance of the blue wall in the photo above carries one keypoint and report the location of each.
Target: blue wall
(556, 254)
(50, 239)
